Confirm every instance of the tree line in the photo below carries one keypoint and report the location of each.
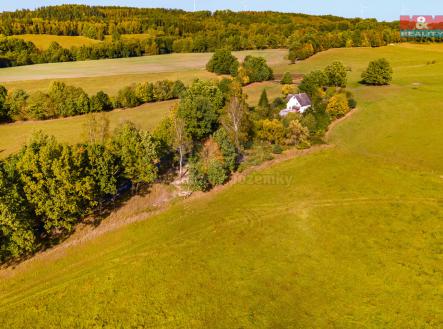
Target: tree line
(304, 45)
(16, 52)
(48, 187)
(178, 31)
(62, 100)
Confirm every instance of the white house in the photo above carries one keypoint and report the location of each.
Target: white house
(296, 103)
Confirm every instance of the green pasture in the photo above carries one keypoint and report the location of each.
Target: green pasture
(72, 130)
(348, 236)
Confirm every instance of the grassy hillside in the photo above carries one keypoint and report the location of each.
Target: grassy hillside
(72, 130)
(109, 76)
(346, 237)
(94, 76)
(43, 41)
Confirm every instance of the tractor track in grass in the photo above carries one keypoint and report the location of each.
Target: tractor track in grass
(127, 255)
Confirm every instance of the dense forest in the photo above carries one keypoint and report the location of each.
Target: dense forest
(179, 31)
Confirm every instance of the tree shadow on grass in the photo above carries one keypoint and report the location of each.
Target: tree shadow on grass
(100, 213)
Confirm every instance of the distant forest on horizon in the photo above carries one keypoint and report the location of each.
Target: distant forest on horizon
(172, 30)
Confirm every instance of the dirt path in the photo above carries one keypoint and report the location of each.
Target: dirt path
(140, 208)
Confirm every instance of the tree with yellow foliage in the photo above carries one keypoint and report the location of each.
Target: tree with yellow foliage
(337, 106)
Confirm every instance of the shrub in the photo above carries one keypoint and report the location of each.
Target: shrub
(288, 89)
(242, 76)
(178, 89)
(100, 102)
(312, 82)
(257, 70)
(259, 153)
(300, 51)
(272, 131)
(336, 74)
(163, 90)
(68, 100)
(145, 92)
(378, 73)
(278, 104)
(352, 103)
(223, 62)
(297, 134)
(337, 106)
(227, 149)
(287, 79)
(198, 179)
(40, 107)
(277, 149)
(16, 104)
(127, 97)
(216, 173)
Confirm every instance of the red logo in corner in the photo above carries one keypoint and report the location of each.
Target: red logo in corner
(423, 22)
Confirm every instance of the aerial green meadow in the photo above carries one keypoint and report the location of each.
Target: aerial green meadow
(346, 236)
(95, 75)
(73, 129)
(107, 75)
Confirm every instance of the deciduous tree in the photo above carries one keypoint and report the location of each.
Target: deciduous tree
(337, 106)
(200, 107)
(235, 116)
(223, 62)
(378, 73)
(138, 152)
(336, 74)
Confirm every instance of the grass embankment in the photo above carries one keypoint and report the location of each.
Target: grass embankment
(346, 237)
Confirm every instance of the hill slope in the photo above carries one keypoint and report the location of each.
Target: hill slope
(349, 236)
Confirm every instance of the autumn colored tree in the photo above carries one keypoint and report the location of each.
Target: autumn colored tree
(272, 131)
(337, 106)
(235, 116)
(181, 140)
